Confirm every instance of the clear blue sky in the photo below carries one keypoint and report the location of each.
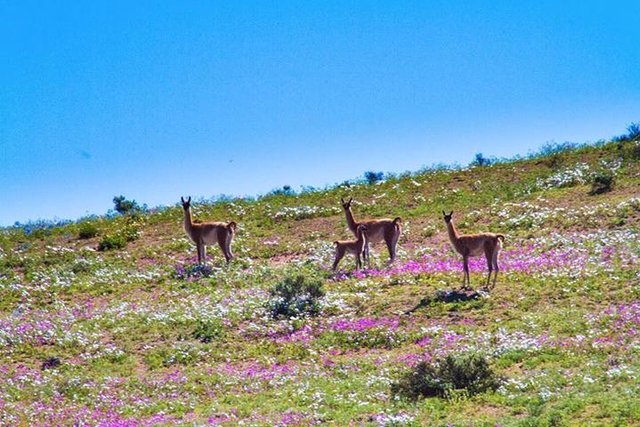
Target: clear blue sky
(155, 100)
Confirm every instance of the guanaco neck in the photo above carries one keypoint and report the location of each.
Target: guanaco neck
(351, 222)
(453, 233)
(188, 224)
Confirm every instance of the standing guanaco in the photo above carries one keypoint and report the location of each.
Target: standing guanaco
(208, 233)
(355, 247)
(377, 230)
(470, 245)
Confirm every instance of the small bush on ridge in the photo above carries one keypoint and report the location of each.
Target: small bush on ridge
(126, 207)
(481, 160)
(555, 148)
(633, 133)
(286, 190)
(373, 177)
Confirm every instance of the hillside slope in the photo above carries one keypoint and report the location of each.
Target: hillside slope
(135, 334)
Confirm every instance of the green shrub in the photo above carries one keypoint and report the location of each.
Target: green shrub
(633, 133)
(127, 207)
(555, 148)
(284, 191)
(602, 182)
(481, 160)
(87, 230)
(207, 330)
(130, 232)
(373, 177)
(112, 241)
(295, 297)
(469, 372)
(119, 239)
(629, 150)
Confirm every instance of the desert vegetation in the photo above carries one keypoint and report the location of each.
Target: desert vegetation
(111, 321)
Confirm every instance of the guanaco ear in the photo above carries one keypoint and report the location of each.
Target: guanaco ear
(341, 200)
(444, 214)
(451, 213)
(189, 200)
(182, 199)
(350, 199)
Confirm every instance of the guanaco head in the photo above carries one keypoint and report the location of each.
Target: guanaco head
(447, 218)
(346, 205)
(186, 204)
(362, 229)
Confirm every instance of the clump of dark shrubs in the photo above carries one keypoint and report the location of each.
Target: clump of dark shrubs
(602, 182)
(552, 147)
(373, 177)
(286, 190)
(469, 372)
(481, 160)
(295, 297)
(633, 133)
(87, 230)
(40, 228)
(127, 207)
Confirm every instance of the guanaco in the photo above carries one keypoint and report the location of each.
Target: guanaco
(355, 247)
(470, 245)
(377, 230)
(208, 233)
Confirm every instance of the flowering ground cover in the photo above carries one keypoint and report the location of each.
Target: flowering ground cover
(140, 336)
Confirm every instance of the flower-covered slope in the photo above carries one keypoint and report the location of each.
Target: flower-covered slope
(140, 336)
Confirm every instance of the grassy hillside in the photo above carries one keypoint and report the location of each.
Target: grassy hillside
(135, 334)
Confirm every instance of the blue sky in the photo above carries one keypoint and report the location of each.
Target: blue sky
(155, 100)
